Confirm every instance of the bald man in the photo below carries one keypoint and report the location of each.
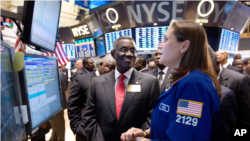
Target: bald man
(79, 66)
(222, 57)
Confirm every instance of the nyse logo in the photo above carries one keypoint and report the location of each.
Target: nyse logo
(240, 132)
(80, 30)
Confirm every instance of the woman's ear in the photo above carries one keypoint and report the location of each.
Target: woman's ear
(186, 45)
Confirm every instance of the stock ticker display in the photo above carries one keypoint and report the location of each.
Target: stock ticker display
(148, 38)
(112, 36)
(69, 50)
(229, 41)
(85, 47)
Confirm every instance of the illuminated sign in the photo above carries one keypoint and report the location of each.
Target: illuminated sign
(80, 30)
(209, 12)
(116, 15)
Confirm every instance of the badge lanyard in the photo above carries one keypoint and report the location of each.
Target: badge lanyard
(172, 84)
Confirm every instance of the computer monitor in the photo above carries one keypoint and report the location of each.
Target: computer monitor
(41, 90)
(11, 123)
(41, 19)
(69, 50)
(112, 36)
(148, 38)
(229, 41)
(85, 47)
(100, 46)
(96, 3)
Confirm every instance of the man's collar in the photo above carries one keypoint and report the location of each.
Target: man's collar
(226, 65)
(97, 73)
(164, 70)
(127, 74)
(86, 70)
(143, 69)
(218, 77)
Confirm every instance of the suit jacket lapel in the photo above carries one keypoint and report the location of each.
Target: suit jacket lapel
(109, 86)
(224, 77)
(129, 96)
(165, 82)
(155, 72)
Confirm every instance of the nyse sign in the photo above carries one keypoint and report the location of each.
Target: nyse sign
(80, 31)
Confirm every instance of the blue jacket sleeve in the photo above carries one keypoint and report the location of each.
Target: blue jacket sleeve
(192, 111)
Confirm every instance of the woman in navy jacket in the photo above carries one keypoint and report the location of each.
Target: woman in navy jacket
(189, 108)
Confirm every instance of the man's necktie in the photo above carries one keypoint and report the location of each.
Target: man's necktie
(161, 77)
(119, 94)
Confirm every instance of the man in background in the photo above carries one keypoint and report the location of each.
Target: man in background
(238, 64)
(237, 57)
(88, 67)
(151, 65)
(79, 66)
(161, 72)
(78, 96)
(222, 57)
(65, 72)
(247, 66)
(140, 64)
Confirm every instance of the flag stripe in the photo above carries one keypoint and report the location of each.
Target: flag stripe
(60, 54)
(189, 108)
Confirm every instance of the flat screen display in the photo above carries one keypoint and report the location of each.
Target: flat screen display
(43, 88)
(112, 36)
(11, 125)
(229, 41)
(148, 38)
(44, 26)
(100, 47)
(96, 3)
(85, 47)
(69, 50)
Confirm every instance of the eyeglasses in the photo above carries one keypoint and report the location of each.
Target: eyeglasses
(125, 50)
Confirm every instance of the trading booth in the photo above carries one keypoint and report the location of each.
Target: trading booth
(30, 86)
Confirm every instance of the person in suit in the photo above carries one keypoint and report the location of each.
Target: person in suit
(120, 99)
(240, 85)
(161, 72)
(140, 64)
(65, 72)
(78, 96)
(79, 66)
(223, 56)
(228, 105)
(88, 67)
(238, 64)
(151, 65)
(247, 66)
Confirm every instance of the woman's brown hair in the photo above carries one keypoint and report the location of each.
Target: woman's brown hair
(197, 55)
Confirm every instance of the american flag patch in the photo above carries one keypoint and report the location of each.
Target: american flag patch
(190, 108)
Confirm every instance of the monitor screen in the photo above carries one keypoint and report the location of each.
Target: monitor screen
(96, 3)
(43, 88)
(69, 50)
(229, 41)
(112, 36)
(85, 47)
(41, 24)
(148, 38)
(100, 46)
(11, 125)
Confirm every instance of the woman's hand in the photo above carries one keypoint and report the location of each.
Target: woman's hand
(132, 133)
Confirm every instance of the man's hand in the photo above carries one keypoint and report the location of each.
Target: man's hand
(132, 134)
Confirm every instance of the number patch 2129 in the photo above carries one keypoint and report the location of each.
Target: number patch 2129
(187, 120)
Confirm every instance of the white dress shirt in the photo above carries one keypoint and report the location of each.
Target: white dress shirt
(97, 73)
(165, 72)
(126, 80)
(226, 65)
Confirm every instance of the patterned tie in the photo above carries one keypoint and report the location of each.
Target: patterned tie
(161, 77)
(119, 94)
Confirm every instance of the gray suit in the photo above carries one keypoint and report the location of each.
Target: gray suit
(154, 72)
(78, 72)
(101, 120)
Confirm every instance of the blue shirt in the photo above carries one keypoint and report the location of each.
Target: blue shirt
(187, 111)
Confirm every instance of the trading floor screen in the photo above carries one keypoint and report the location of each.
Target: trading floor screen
(85, 48)
(112, 36)
(69, 50)
(148, 38)
(229, 41)
(43, 88)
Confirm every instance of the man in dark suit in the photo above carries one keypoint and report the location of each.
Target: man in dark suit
(78, 96)
(120, 99)
(88, 67)
(247, 66)
(65, 72)
(140, 64)
(240, 85)
(223, 56)
(161, 72)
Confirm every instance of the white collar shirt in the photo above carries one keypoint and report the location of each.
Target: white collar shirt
(126, 80)
(226, 65)
(165, 72)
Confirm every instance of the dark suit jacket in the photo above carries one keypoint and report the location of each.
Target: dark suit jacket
(234, 68)
(240, 85)
(154, 72)
(78, 72)
(65, 71)
(77, 102)
(228, 112)
(101, 120)
(63, 88)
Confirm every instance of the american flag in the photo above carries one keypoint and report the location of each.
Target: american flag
(191, 108)
(19, 44)
(59, 53)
